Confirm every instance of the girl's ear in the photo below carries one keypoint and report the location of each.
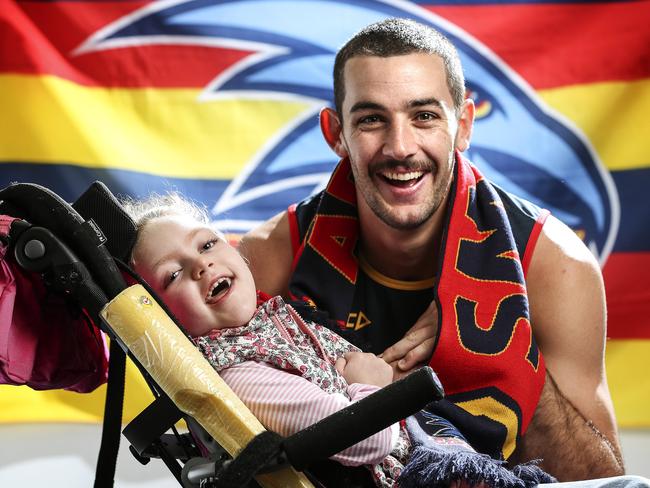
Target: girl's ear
(330, 126)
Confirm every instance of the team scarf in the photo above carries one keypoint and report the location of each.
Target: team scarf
(485, 355)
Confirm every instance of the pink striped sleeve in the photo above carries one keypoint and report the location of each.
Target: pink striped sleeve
(287, 403)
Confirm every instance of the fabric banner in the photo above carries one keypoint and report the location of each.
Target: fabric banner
(219, 100)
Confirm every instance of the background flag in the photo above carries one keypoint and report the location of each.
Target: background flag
(218, 99)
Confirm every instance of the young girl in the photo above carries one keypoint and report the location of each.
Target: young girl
(288, 371)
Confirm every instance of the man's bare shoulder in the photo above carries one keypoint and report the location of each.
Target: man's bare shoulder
(269, 252)
(562, 253)
(565, 289)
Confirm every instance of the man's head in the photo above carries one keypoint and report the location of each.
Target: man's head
(396, 37)
(401, 115)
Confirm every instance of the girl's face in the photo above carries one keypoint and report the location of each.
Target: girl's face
(201, 278)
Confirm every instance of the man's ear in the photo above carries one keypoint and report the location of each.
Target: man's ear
(330, 126)
(465, 125)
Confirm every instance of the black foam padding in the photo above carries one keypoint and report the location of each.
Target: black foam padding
(100, 205)
(42, 207)
(363, 418)
(263, 449)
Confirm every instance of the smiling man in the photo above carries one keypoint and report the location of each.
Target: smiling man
(415, 255)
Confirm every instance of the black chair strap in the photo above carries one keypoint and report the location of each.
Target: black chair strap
(107, 458)
(265, 450)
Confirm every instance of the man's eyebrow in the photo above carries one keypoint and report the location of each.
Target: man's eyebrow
(187, 241)
(421, 102)
(366, 106)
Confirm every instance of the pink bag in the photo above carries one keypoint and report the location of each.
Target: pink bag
(44, 343)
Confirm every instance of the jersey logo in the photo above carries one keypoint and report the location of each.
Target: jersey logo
(292, 45)
(357, 321)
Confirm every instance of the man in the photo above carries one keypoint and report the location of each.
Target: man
(415, 235)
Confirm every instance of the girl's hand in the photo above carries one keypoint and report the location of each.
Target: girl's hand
(364, 367)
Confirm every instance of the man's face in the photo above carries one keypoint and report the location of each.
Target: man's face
(201, 278)
(400, 131)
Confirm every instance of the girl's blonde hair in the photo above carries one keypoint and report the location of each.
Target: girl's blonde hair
(161, 205)
(156, 205)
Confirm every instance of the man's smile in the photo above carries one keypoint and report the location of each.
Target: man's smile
(402, 179)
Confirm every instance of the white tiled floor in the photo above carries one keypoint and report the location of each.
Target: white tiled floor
(64, 455)
(636, 451)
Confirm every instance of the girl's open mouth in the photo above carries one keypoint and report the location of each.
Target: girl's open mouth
(219, 289)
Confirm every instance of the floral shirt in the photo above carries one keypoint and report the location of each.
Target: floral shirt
(278, 336)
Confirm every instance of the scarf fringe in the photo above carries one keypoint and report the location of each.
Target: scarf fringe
(437, 467)
(532, 474)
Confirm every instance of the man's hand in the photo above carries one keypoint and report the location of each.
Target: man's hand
(416, 347)
(364, 367)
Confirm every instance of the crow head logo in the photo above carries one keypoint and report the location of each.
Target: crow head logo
(518, 142)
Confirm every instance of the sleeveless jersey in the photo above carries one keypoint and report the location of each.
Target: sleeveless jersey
(373, 311)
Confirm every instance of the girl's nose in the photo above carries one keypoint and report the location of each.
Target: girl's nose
(201, 266)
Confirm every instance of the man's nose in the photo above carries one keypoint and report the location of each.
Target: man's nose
(400, 142)
(201, 265)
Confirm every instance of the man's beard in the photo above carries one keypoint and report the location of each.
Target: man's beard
(425, 210)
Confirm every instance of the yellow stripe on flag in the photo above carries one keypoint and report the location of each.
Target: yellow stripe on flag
(20, 404)
(628, 363)
(166, 132)
(614, 116)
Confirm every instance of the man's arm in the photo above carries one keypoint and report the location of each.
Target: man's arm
(268, 251)
(574, 427)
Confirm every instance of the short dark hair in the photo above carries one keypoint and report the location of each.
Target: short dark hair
(396, 37)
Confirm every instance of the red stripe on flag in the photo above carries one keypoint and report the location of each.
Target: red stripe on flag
(549, 45)
(552, 45)
(628, 295)
(43, 36)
